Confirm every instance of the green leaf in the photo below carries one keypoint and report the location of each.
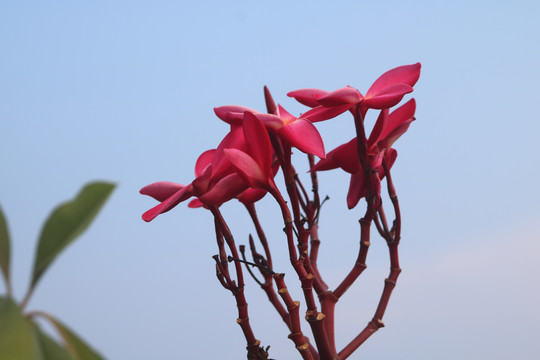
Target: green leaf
(67, 222)
(78, 349)
(50, 349)
(17, 338)
(4, 250)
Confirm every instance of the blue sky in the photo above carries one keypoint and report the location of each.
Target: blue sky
(124, 91)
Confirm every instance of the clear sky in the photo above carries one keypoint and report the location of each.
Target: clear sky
(124, 91)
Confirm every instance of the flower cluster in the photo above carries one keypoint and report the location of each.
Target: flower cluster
(244, 163)
(243, 167)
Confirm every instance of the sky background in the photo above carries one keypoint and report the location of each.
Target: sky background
(124, 91)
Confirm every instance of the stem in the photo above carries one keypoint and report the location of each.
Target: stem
(260, 232)
(255, 352)
(317, 323)
(315, 242)
(396, 229)
(224, 229)
(360, 264)
(376, 323)
(302, 345)
(314, 182)
(371, 327)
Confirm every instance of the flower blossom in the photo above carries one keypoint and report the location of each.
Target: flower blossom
(298, 132)
(386, 91)
(387, 129)
(215, 180)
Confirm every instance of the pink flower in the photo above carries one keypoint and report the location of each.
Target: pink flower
(254, 164)
(387, 129)
(386, 91)
(299, 133)
(216, 181)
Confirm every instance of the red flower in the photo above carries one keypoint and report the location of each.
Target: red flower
(216, 181)
(386, 91)
(300, 133)
(387, 129)
(254, 164)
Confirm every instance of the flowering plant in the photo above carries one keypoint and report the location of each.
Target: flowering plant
(244, 165)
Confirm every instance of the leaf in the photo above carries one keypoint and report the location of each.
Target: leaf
(5, 250)
(50, 349)
(78, 349)
(17, 339)
(66, 222)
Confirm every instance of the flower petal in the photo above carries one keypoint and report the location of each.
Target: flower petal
(386, 97)
(195, 203)
(258, 142)
(232, 114)
(406, 74)
(202, 182)
(303, 135)
(224, 190)
(357, 189)
(271, 121)
(251, 195)
(307, 96)
(179, 196)
(378, 128)
(325, 164)
(285, 115)
(247, 167)
(203, 161)
(161, 190)
(345, 95)
(346, 156)
(321, 113)
(235, 140)
(398, 123)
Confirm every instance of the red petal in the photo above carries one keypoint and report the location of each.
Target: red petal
(273, 122)
(307, 96)
(179, 196)
(346, 156)
(161, 190)
(285, 115)
(345, 95)
(247, 167)
(406, 74)
(235, 140)
(224, 190)
(325, 164)
(390, 157)
(386, 97)
(357, 189)
(195, 203)
(303, 135)
(378, 128)
(202, 182)
(258, 142)
(321, 113)
(232, 114)
(398, 122)
(203, 161)
(251, 196)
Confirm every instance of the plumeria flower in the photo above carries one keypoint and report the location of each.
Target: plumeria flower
(216, 180)
(248, 196)
(299, 133)
(387, 129)
(386, 91)
(255, 164)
